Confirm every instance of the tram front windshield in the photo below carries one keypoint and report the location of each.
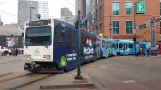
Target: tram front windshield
(38, 36)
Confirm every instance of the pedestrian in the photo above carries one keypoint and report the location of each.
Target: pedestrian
(16, 51)
(148, 51)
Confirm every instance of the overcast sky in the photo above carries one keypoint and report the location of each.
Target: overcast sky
(11, 6)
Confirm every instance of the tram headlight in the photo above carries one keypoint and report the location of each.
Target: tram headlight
(48, 56)
(25, 56)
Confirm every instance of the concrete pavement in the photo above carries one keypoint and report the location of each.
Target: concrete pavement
(116, 73)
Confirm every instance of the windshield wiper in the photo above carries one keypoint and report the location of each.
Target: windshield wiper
(46, 46)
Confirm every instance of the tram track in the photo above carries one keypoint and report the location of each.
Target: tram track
(19, 81)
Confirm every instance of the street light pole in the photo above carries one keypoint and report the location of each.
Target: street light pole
(110, 27)
(78, 76)
(135, 27)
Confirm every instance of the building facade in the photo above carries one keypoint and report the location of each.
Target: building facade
(14, 33)
(67, 15)
(28, 10)
(115, 18)
(78, 6)
(43, 9)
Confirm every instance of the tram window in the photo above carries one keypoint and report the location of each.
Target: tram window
(70, 40)
(113, 45)
(130, 46)
(59, 34)
(159, 46)
(120, 45)
(103, 43)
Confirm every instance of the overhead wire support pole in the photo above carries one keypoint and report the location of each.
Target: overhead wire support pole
(134, 39)
(110, 27)
(78, 76)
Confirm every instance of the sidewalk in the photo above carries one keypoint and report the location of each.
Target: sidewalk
(67, 81)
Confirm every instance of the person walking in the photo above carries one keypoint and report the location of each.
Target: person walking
(148, 51)
(16, 52)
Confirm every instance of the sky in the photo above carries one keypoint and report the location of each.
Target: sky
(8, 9)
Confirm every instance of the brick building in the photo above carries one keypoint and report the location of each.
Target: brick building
(122, 18)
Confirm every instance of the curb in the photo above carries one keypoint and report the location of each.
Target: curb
(1, 75)
(87, 85)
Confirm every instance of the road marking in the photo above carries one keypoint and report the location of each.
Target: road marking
(129, 81)
(103, 67)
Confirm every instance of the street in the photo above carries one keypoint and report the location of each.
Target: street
(11, 64)
(115, 73)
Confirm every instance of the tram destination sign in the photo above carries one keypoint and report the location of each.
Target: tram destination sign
(38, 23)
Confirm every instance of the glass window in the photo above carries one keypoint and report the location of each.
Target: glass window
(38, 36)
(115, 8)
(128, 8)
(101, 27)
(101, 11)
(129, 27)
(120, 45)
(130, 45)
(115, 27)
(59, 34)
(96, 14)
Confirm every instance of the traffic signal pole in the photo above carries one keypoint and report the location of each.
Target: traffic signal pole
(78, 76)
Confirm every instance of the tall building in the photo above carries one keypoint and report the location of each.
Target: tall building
(67, 15)
(28, 10)
(66, 12)
(87, 5)
(78, 6)
(116, 19)
(1, 23)
(43, 9)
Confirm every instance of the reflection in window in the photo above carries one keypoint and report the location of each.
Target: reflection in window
(128, 8)
(115, 27)
(129, 27)
(115, 8)
(38, 36)
(59, 34)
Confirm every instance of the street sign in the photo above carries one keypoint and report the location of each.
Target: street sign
(147, 23)
(93, 32)
(140, 7)
(142, 26)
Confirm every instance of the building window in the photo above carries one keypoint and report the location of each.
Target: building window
(129, 27)
(115, 8)
(96, 14)
(128, 8)
(96, 2)
(115, 27)
(101, 11)
(101, 27)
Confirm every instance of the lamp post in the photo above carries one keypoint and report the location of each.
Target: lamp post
(30, 11)
(78, 76)
(134, 39)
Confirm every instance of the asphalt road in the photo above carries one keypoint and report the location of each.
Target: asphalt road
(126, 73)
(11, 64)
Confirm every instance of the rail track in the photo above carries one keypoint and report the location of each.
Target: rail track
(16, 82)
